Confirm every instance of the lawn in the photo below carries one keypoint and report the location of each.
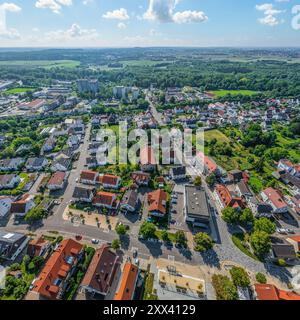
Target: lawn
(223, 93)
(48, 64)
(215, 134)
(238, 239)
(19, 90)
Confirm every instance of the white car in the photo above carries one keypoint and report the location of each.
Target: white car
(95, 241)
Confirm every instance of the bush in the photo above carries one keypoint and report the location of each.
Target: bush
(261, 278)
(281, 262)
(203, 242)
(225, 289)
(240, 277)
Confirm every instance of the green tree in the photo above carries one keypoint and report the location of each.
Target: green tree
(180, 238)
(260, 242)
(121, 229)
(198, 181)
(35, 214)
(203, 242)
(225, 289)
(147, 230)
(240, 277)
(211, 180)
(116, 244)
(246, 216)
(264, 224)
(230, 215)
(165, 236)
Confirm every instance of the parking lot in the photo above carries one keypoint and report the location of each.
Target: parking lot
(177, 218)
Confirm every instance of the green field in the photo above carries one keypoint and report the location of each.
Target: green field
(139, 63)
(223, 93)
(41, 63)
(18, 90)
(215, 134)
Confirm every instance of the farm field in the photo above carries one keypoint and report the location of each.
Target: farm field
(222, 93)
(42, 63)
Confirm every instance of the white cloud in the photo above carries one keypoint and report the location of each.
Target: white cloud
(119, 14)
(164, 11)
(74, 32)
(10, 34)
(270, 14)
(11, 7)
(122, 25)
(189, 16)
(53, 5)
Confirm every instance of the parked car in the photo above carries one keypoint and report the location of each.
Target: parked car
(95, 241)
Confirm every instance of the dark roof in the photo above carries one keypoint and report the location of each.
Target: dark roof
(284, 251)
(80, 193)
(196, 202)
(179, 171)
(10, 237)
(288, 178)
(35, 162)
(130, 198)
(244, 189)
(264, 208)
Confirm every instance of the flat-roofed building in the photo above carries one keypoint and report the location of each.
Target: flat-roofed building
(197, 210)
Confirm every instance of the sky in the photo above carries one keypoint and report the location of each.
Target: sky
(146, 23)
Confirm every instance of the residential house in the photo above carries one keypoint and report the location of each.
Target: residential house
(9, 181)
(57, 181)
(5, 206)
(12, 244)
(141, 178)
(227, 198)
(127, 286)
(286, 165)
(61, 164)
(235, 176)
(83, 194)
(274, 198)
(36, 164)
(23, 205)
(157, 201)
(49, 145)
(53, 280)
(269, 292)
(196, 207)
(178, 173)
(109, 181)
(91, 162)
(105, 200)
(243, 190)
(147, 159)
(206, 164)
(38, 247)
(13, 164)
(89, 177)
(129, 201)
(295, 242)
(73, 141)
(283, 251)
(102, 272)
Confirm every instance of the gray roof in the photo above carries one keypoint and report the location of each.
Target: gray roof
(196, 202)
(178, 171)
(10, 237)
(285, 251)
(130, 198)
(80, 193)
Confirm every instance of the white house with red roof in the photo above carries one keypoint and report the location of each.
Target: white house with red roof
(105, 200)
(275, 199)
(109, 181)
(89, 177)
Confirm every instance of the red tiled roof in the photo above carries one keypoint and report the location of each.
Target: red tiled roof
(275, 197)
(295, 238)
(105, 198)
(227, 199)
(88, 175)
(128, 283)
(109, 179)
(270, 292)
(147, 156)
(208, 162)
(20, 205)
(140, 176)
(102, 268)
(157, 201)
(56, 268)
(57, 178)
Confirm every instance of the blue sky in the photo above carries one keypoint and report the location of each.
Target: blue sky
(127, 23)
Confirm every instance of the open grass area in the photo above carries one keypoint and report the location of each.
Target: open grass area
(41, 63)
(19, 90)
(223, 93)
(238, 240)
(215, 134)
